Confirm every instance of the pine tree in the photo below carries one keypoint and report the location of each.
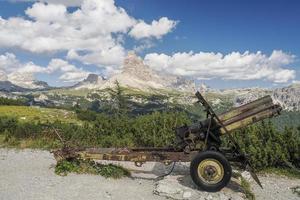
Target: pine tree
(95, 106)
(120, 99)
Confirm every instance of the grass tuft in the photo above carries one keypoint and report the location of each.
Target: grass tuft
(247, 189)
(245, 186)
(90, 167)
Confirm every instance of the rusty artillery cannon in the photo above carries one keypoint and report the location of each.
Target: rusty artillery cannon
(198, 143)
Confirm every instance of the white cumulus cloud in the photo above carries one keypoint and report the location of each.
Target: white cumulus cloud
(92, 34)
(10, 64)
(233, 66)
(13, 70)
(21, 74)
(47, 12)
(156, 29)
(69, 72)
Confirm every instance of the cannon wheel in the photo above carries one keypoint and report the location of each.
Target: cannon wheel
(210, 170)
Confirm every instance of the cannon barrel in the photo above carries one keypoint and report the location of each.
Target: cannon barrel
(264, 101)
(249, 113)
(243, 115)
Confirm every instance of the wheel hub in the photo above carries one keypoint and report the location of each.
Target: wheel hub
(210, 171)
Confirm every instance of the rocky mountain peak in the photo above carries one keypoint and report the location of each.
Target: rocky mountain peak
(41, 84)
(93, 78)
(92, 81)
(132, 61)
(134, 66)
(288, 97)
(203, 88)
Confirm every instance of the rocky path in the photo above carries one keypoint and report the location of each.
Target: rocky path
(276, 187)
(29, 175)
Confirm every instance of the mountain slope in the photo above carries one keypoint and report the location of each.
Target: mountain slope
(26, 80)
(8, 86)
(93, 81)
(288, 97)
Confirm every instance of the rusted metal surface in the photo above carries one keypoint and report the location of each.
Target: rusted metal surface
(251, 117)
(250, 113)
(267, 100)
(123, 154)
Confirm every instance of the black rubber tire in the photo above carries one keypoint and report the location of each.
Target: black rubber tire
(223, 161)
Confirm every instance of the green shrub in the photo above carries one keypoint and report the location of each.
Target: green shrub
(64, 167)
(86, 115)
(266, 146)
(111, 171)
(10, 102)
(90, 167)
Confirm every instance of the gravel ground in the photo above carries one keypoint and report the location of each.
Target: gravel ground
(276, 187)
(29, 175)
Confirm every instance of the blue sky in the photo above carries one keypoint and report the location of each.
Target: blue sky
(218, 27)
(225, 26)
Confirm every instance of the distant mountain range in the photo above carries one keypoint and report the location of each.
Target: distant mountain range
(34, 85)
(288, 97)
(7, 86)
(136, 75)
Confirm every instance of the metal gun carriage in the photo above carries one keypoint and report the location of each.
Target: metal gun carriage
(198, 143)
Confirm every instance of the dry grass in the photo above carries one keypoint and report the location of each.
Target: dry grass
(28, 113)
